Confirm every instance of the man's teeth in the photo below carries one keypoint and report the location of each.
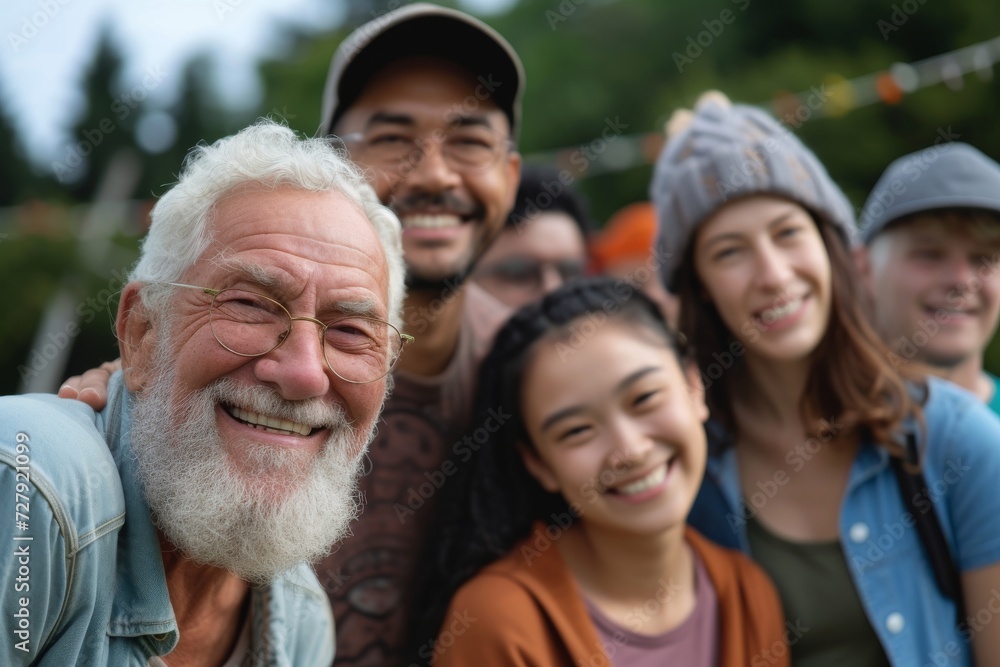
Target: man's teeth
(270, 424)
(776, 313)
(431, 221)
(647, 482)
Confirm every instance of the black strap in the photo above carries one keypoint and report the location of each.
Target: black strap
(913, 485)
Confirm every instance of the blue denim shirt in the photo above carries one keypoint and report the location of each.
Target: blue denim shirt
(887, 561)
(82, 581)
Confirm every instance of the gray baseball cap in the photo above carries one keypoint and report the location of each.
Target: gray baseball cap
(948, 175)
(422, 29)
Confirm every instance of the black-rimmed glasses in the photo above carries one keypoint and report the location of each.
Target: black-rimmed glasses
(468, 148)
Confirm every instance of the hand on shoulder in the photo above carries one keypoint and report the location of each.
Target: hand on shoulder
(92, 386)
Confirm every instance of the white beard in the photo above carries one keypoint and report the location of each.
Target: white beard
(212, 511)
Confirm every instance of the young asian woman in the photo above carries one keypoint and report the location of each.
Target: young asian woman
(566, 542)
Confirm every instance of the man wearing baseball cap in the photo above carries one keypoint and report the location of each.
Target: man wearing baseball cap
(427, 99)
(931, 261)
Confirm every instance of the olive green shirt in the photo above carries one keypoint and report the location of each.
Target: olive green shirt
(827, 624)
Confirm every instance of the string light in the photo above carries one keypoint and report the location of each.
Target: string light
(844, 95)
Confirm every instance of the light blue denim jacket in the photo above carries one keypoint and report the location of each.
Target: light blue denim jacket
(893, 576)
(85, 585)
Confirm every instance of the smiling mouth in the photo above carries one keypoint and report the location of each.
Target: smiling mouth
(268, 424)
(653, 478)
(433, 221)
(771, 315)
(951, 312)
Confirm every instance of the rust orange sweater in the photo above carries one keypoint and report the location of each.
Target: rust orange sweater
(520, 614)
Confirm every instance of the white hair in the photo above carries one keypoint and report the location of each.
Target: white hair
(270, 155)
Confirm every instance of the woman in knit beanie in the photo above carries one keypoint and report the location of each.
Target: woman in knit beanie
(809, 413)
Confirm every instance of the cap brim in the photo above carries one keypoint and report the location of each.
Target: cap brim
(928, 205)
(424, 31)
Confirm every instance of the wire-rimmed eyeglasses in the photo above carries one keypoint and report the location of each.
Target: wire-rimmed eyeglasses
(358, 349)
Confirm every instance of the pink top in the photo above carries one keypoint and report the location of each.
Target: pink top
(693, 643)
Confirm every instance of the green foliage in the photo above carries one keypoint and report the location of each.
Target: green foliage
(586, 61)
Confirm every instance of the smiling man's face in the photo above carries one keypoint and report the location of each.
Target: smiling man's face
(250, 462)
(449, 213)
(935, 283)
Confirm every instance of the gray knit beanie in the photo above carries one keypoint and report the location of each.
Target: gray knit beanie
(948, 175)
(730, 151)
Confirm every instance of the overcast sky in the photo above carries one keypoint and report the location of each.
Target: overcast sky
(46, 43)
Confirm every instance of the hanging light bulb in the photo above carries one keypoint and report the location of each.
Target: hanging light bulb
(888, 89)
(982, 60)
(905, 76)
(951, 74)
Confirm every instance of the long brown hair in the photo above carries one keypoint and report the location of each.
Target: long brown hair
(854, 377)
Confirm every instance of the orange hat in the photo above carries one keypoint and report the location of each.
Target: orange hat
(629, 234)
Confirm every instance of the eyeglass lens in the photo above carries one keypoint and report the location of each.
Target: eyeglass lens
(529, 272)
(357, 349)
(464, 148)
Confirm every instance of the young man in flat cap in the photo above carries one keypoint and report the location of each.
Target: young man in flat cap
(931, 261)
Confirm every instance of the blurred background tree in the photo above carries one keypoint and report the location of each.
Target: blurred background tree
(588, 63)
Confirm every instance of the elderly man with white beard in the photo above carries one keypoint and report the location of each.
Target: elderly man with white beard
(257, 333)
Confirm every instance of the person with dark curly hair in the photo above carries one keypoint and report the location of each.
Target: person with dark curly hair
(563, 540)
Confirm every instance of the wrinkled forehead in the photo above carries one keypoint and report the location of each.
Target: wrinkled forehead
(301, 235)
